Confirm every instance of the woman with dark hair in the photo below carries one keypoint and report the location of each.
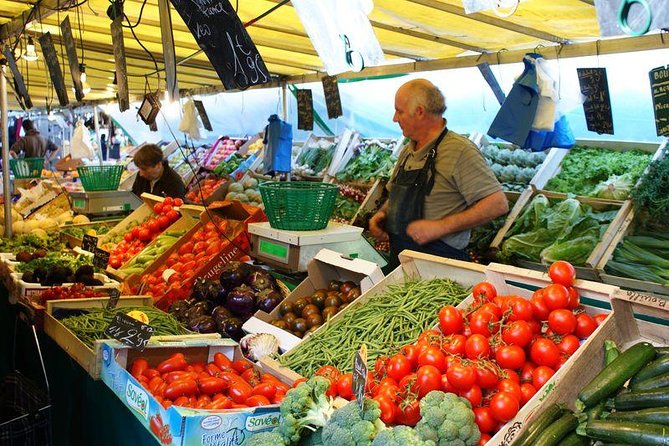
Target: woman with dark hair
(155, 176)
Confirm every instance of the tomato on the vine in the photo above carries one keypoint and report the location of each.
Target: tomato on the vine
(483, 323)
(556, 296)
(562, 321)
(510, 357)
(521, 309)
(574, 298)
(504, 406)
(541, 375)
(526, 372)
(562, 273)
(517, 333)
(389, 409)
(539, 308)
(585, 325)
(544, 352)
(486, 375)
(568, 345)
(432, 356)
(454, 344)
(600, 318)
(450, 320)
(484, 419)
(528, 391)
(510, 386)
(474, 395)
(398, 367)
(461, 376)
(345, 386)
(411, 353)
(484, 292)
(428, 378)
(477, 346)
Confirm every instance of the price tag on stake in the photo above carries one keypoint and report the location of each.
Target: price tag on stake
(129, 331)
(100, 258)
(113, 299)
(89, 243)
(360, 375)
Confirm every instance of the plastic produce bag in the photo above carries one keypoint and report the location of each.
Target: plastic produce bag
(190, 124)
(81, 146)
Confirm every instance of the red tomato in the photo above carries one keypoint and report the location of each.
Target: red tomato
(408, 384)
(144, 235)
(562, 321)
(178, 202)
(541, 375)
(434, 357)
(568, 345)
(510, 357)
(510, 386)
(257, 400)
(398, 366)
(539, 308)
(510, 374)
(380, 366)
(585, 325)
(184, 387)
(390, 391)
(484, 439)
(491, 307)
(128, 237)
(115, 262)
(474, 395)
(528, 391)
(535, 325)
(526, 372)
(562, 273)
(481, 323)
(411, 353)
(485, 419)
(446, 386)
(574, 299)
(521, 309)
(461, 376)
(450, 320)
(154, 226)
(158, 208)
(477, 346)
(168, 201)
(486, 375)
(173, 215)
(517, 333)
(484, 292)
(428, 378)
(454, 344)
(409, 412)
(544, 352)
(600, 318)
(213, 247)
(345, 386)
(504, 406)
(266, 389)
(389, 409)
(556, 296)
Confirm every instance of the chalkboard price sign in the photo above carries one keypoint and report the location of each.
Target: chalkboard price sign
(360, 375)
(130, 331)
(659, 84)
(51, 60)
(114, 295)
(100, 258)
(89, 243)
(305, 110)
(597, 105)
(332, 99)
(203, 115)
(223, 38)
(19, 85)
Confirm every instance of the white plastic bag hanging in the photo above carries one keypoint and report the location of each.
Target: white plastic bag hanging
(544, 119)
(190, 123)
(81, 146)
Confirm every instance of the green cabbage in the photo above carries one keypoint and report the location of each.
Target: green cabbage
(616, 187)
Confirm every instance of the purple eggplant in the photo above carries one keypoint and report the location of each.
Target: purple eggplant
(234, 274)
(204, 289)
(260, 280)
(232, 327)
(241, 301)
(220, 313)
(203, 324)
(268, 299)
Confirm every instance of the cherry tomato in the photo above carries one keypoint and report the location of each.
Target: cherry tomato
(432, 356)
(178, 202)
(486, 375)
(428, 378)
(568, 345)
(474, 395)
(510, 386)
(484, 292)
(389, 409)
(544, 352)
(408, 384)
(345, 386)
(446, 386)
(562, 273)
(585, 325)
(528, 391)
(398, 366)
(485, 419)
(556, 296)
(562, 321)
(510, 357)
(477, 346)
(504, 406)
(461, 376)
(450, 320)
(541, 375)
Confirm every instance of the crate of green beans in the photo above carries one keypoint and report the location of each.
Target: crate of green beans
(78, 325)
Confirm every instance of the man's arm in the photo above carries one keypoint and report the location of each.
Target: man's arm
(483, 211)
(376, 223)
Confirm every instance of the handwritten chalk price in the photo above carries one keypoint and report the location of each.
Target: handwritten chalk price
(360, 375)
(129, 331)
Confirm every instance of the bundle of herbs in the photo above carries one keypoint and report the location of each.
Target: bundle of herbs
(651, 196)
(548, 231)
(601, 173)
(644, 256)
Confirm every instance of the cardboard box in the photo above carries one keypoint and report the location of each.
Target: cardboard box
(588, 270)
(326, 266)
(186, 426)
(635, 317)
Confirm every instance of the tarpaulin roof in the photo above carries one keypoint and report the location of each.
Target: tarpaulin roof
(415, 35)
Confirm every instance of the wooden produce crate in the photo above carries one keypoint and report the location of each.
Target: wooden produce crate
(72, 242)
(183, 426)
(23, 291)
(412, 265)
(589, 269)
(311, 143)
(552, 165)
(339, 164)
(87, 358)
(627, 228)
(635, 318)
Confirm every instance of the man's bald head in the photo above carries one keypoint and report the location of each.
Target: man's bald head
(422, 92)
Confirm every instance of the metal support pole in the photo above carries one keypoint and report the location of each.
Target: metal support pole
(96, 117)
(5, 152)
(284, 104)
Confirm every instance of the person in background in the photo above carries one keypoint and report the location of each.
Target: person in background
(155, 176)
(441, 186)
(103, 146)
(33, 144)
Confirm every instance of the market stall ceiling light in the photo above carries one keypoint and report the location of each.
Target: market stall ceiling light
(30, 55)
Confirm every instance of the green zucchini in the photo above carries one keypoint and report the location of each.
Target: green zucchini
(613, 376)
(652, 383)
(656, 415)
(654, 368)
(661, 351)
(574, 439)
(560, 428)
(536, 426)
(638, 434)
(642, 399)
(596, 411)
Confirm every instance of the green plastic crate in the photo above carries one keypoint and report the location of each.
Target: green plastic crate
(100, 178)
(26, 167)
(298, 205)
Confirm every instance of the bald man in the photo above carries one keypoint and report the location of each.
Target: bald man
(441, 186)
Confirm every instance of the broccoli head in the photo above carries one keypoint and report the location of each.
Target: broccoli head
(400, 436)
(306, 407)
(266, 439)
(351, 427)
(447, 419)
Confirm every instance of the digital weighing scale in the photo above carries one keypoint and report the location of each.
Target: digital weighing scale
(292, 250)
(112, 202)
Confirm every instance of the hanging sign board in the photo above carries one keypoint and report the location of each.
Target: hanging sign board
(360, 375)
(332, 99)
(597, 104)
(659, 84)
(119, 59)
(203, 115)
(19, 85)
(223, 38)
(51, 60)
(73, 60)
(650, 14)
(305, 110)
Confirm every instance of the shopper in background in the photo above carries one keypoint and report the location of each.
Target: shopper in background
(441, 186)
(155, 175)
(33, 144)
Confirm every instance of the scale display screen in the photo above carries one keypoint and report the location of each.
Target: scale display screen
(79, 203)
(274, 250)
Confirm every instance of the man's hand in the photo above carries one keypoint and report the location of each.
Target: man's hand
(426, 231)
(376, 226)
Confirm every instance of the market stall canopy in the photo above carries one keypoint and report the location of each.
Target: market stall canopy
(415, 35)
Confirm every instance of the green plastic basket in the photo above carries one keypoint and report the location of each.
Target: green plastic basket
(26, 167)
(298, 205)
(99, 178)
